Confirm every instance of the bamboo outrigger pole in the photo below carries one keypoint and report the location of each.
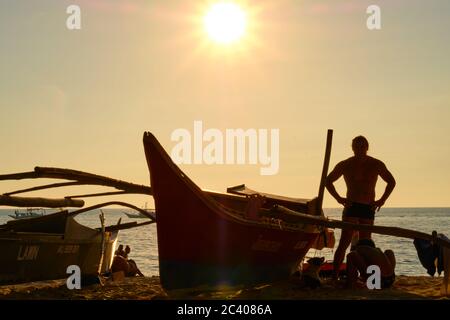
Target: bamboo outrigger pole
(110, 203)
(47, 186)
(297, 217)
(39, 202)
(75, 177)
(78, 177)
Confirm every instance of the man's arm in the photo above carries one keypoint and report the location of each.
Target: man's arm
(337, 172)
(387, 176)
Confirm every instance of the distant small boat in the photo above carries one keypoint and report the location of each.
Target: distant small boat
(140, 215)
(30, 213)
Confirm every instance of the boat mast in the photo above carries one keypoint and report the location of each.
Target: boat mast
(323, 178)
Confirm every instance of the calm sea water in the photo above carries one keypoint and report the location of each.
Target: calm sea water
(144, 250)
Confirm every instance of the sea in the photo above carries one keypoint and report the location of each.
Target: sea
(144, 248)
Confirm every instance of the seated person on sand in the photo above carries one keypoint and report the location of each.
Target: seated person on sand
(133, 270)
(127, 266)
(120, 264)
(119, 251)
(127, 252)
(365, 255)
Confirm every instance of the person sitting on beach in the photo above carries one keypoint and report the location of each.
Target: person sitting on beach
(127, 252)
(360, 173)
(119, 251)
(133, 268)
(122, 263)
(365, 255)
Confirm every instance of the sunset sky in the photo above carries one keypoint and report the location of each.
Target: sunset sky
(82, 99)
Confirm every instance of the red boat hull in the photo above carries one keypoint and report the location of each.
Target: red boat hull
(203, 241)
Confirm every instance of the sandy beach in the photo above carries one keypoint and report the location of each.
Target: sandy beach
(149, 288)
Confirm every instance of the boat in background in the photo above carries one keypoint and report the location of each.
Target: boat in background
(209, 238)
(30, 213)
(139, 215)
(43, 247)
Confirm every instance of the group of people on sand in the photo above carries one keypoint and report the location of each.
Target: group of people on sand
(360, 173)
(121, 263)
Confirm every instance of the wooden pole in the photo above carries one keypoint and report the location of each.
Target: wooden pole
(90, 195)
(293, 216)
(39, 202)
(79, 178)
(102, 251)
(47, 186)
(119, 203)
(90, 178)
(19, 176)
(128, 225)
(83, 178)
(326, 163)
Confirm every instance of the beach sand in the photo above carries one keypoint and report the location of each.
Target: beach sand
(149, 288)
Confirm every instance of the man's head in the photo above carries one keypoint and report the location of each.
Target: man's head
(360, 146)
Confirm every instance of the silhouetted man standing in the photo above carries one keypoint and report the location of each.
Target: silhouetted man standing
(360, 174)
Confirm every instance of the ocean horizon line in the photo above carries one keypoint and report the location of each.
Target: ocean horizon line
(327, 208)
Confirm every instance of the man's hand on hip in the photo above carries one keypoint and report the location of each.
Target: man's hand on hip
(378, 204)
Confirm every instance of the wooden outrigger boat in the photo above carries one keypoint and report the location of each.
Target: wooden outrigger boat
(207, 238)
(41, 248)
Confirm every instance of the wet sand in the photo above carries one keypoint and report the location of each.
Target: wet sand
(149, 288)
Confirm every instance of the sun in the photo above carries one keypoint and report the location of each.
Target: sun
(225, 22)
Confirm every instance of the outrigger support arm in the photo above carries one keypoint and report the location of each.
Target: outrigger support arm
(75, 177)
(101, 194)
(47, 186)
(39, 202)
(127, 225)
(297, 217)
(78, 178)
(118, 203)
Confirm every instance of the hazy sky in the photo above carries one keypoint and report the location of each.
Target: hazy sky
(82, 99)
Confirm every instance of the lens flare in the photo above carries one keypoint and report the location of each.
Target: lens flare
(225, 22)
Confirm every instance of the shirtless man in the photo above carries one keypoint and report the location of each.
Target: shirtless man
(360, 174)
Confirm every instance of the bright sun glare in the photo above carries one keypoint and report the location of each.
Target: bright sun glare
(225, 22)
